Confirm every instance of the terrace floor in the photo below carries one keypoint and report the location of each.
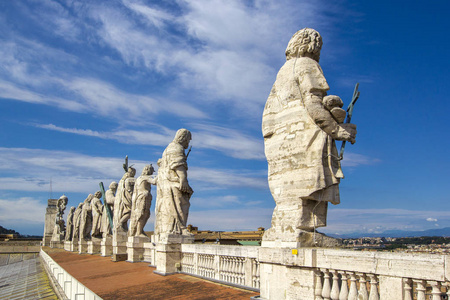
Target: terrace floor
(124, 280)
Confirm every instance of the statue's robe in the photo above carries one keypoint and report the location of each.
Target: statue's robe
(172, 205)
(302, 158)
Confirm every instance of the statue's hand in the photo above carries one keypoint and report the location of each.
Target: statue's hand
(346, 132)
(184, 187)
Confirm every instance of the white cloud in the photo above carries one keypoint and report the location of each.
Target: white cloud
(355, 159)
(74, 172)
(12, 211)
(378, 220)
(230, 142)
(432, 220)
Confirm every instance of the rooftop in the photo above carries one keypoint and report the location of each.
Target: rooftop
(124, 280)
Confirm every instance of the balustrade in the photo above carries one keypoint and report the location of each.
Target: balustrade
(345, 285)
(425, 289)
(187, 263)
(236, 265)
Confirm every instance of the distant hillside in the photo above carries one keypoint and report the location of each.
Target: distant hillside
(397, 233)
(7, 231)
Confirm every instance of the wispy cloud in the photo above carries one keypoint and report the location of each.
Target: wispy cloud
(230, 142)
(76, 172)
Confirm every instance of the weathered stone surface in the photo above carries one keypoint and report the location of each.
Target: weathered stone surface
(135, 248)
(85, 219)
(69, 227)
(76, 222)
(96, 208)
(173, 190)
(94, 245)
(299, 137)
(142, 200)
(109, 200)
(168, 258)
(119, 242)
(59, 228)
(106, 248)
(49, 225)
(123, 200)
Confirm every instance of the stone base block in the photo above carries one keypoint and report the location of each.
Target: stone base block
(304, 239)
(168, 238)
(135, 248)
(94, 246)
(57, 244)
(149, 253)
(68, 245)
(106, 248)
(119, 242)
(74, 245)
(82, 247)
(168, 258)
(119, 257)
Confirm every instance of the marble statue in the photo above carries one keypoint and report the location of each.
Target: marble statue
(86, 219)
(300, 126)
(69, 227)
(60, 228)
(173, 190)
(122, 202)
(142, 200)
(97, 208)
(110, 196)
(76, 221)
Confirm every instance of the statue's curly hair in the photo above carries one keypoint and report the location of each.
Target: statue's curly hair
(306, 40)
(182, 134)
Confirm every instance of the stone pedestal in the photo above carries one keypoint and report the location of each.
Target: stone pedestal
(106, 248)
(82, 246)
(166, 238)
(168, 259)
(57, 244)
(168, 252)
(119, 242)
(304, 239)
(68, 245)
(49, 225)
(94, 246)
(74, 245)
(150, 253)
(286, 273)
(135, 248)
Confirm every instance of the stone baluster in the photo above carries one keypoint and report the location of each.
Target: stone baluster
(225, 268)
(362, 293)
(353, 293)
(318, 286)
(420, 289)
(448, 289)
(242, 259)
(435, 290)
(373, 288)
(233, 269)
(254, 274)
(343, 295)
(407, 288)
(326, 290)
(334, 294)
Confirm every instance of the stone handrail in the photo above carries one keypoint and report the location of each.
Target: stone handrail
(345, 274)
(235, 265)
(71, 287)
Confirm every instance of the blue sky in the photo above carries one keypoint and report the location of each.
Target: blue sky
(84, 83)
